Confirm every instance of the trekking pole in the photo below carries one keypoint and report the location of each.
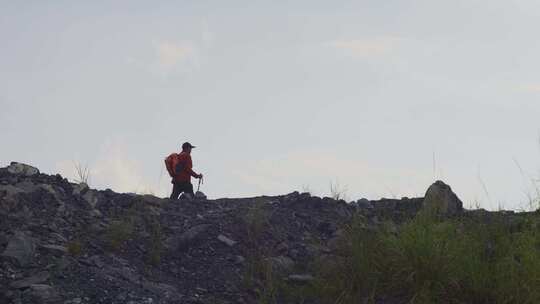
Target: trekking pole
(200, 182)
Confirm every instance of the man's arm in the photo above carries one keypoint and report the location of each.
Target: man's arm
(190, 170)
(192, 173)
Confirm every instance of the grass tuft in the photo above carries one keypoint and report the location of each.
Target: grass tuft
(338, 191)
(155, 244)
(74, 248)
(82, 173)
(438, 261)
(118, 232)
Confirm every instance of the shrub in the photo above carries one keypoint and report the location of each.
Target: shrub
(118, 232)
(155, 245)
(259, 275)
(74, 248)
(255, 222)
(434, 261)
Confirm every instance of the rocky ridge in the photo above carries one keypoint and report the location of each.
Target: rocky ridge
(62, 242)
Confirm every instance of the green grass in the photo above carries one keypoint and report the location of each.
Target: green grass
(437, 261)
(74, 248)
(257, 274)
(118, 232)
(155, 244)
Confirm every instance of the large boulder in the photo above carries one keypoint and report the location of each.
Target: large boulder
(90, 196)
(441, 200)
(41, 294)
(22, 169)
(20, 249)
(80, 189)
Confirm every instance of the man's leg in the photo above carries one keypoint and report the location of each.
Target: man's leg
(189, 189)
(177, 189)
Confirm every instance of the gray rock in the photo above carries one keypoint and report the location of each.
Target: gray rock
(364, 203)
(127, 274)
(64, 262)
(22, 169)
(20, 249)
(3, 239)
(91, 197)
(97, 261)
(315, 250)
(10, 190)
(300, 278)
(39, 277)
(42, 294)
(304, 196)
(80, 189)
(293, 196)
(238, 260)
(55, 249)
(27, 186)
(441, 200)
(282, 247)
(96, 213)
(187, 238)
(165, 290)
(226, 240)
(281, 264)
(52, 191)
(152, 200)
(58, 237)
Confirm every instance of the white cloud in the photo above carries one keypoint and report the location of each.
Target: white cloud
(530, 87)
(207, 36)
(170, 55)
(113, 169)
(367, 47)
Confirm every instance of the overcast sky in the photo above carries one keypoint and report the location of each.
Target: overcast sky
(380, 97)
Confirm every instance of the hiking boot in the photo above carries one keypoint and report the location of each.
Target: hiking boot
(186, 196)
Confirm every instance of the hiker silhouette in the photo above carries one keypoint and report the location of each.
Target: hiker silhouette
(180, 169)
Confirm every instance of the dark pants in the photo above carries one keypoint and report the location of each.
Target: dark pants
(179, 187)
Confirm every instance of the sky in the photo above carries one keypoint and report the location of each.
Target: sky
(374, 98)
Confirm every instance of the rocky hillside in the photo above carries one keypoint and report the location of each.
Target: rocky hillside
(62, 242)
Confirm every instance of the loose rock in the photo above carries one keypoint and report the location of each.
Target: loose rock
(226, 240)
(27, 282)
(20, 249)
(300, 278)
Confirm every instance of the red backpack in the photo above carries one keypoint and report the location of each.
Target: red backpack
(170, 162)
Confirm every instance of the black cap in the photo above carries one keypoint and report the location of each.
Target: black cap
(187, 145)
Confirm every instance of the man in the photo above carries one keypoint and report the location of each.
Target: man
(182, 167)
